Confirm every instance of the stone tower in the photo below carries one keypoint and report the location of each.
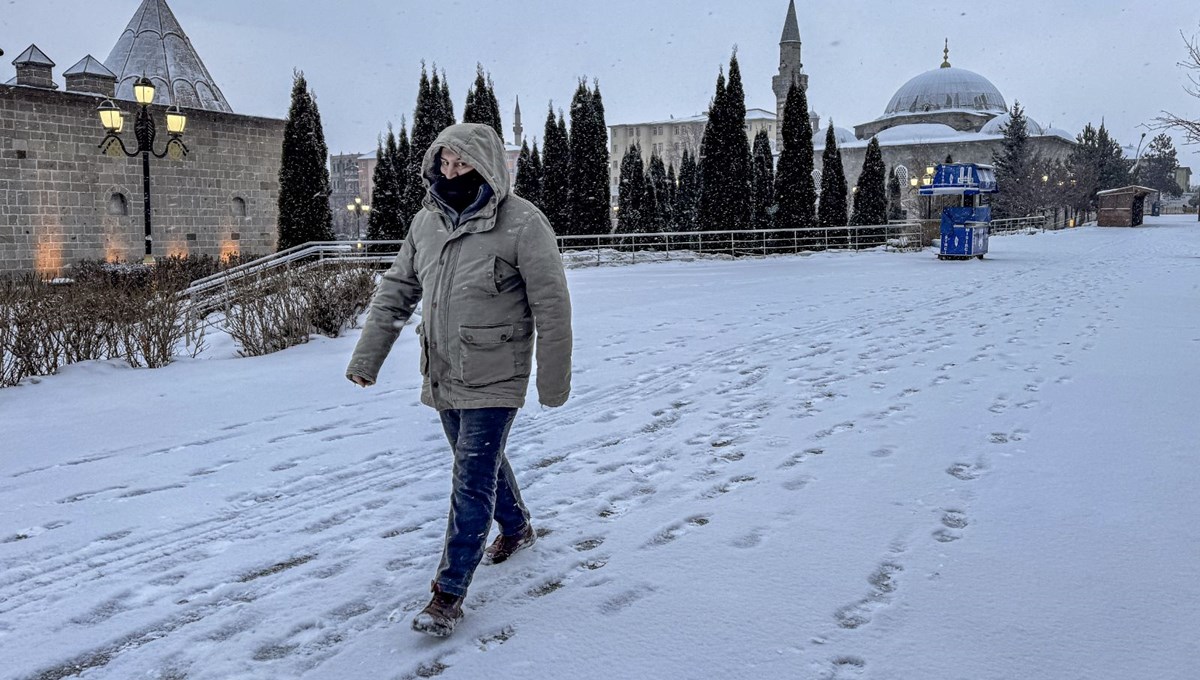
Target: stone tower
(790, 68)
(518, 131)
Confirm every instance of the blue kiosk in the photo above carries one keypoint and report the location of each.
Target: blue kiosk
(964, 229)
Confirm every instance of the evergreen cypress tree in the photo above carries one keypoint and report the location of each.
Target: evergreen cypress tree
(726, 177)
(631, 193)
(445, 107)
(385, 221)
(400, 163)
(556, 180)
(831, 212)
(687, 197)
(763, 195)
(481, 106)
(870, 195)
(589, 163)
(795, 191)
(740, 175)
(304, 211)
(1015, 164)
(895, 206)
(714, 154)
(600, 218)
(424, 132)
(437, 105)
(658, 196)
(535, 175)
(672, 200)
(526, 184)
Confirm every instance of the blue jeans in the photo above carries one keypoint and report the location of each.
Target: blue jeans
(484, 489)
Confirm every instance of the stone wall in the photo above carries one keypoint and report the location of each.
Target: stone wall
(62, 199)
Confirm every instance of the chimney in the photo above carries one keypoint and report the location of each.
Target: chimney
(91, 77)
(34, 69)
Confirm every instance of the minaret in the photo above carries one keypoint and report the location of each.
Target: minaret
(517, 129)
(790, 68)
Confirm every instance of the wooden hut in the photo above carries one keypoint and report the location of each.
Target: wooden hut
(1123, 207)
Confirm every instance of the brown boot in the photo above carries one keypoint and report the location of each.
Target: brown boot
(440, 616)
(504, 546)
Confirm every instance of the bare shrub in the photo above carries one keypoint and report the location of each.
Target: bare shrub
(267, 313)
(158, 326)
(336, 298)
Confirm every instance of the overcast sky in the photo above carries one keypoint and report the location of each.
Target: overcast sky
(1067, 62)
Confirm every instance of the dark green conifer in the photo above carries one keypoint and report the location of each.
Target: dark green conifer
(556, 178)
(795, 189)
(763, 194)
(304, 211)
(831, 211)
(870, 195)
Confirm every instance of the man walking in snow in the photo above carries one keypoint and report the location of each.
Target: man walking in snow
(487, 266)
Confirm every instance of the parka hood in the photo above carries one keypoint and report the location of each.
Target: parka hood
(480, 146)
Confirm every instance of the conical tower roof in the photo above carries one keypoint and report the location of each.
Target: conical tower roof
(154, 45)
(791, 27)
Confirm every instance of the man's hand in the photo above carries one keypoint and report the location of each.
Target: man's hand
(361, 381)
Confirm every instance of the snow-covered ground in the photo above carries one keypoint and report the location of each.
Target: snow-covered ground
(868, 465)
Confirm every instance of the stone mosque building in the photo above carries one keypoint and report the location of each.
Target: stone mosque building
(947, 111)
(62, 199)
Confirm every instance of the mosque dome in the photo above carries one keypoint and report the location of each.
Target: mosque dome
(995, 126)
(946, 88)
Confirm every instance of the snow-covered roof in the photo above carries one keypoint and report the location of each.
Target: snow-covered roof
(996, 125)
(32, 56)
(936, 133)
(1059, 132)
(945, 89)
(913, 131)
(155, 46)
(89, 66)
(751, 115)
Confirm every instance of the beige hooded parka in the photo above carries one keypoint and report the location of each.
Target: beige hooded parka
(486, 287)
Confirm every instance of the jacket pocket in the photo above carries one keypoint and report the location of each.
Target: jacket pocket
(486, 354)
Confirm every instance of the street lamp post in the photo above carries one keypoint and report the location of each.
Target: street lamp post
(358, 208)
(926, 181)
(113, 121)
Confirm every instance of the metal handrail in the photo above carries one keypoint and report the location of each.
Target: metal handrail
(210, 291)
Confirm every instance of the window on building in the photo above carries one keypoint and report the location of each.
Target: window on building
(118, 204)
(239, 207)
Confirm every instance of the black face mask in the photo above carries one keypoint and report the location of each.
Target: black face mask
(460, 192)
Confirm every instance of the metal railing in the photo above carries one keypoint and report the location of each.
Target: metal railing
(211, 292)
(1017, 225)
(601, 249)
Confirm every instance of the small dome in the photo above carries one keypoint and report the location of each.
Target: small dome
(916, 132)
(995, 125)
(946, 88)
(842, 135)
(1059, 132)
